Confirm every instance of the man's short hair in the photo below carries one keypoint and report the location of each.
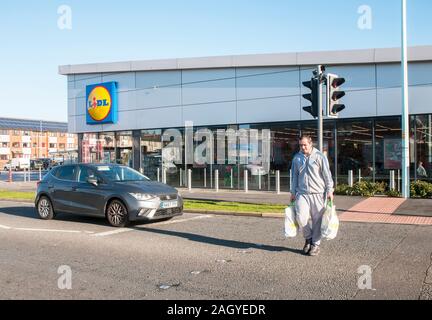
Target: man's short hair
(306, 136)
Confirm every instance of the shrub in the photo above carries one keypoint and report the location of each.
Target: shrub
(421, 189)
(343, 189)
(393, 194)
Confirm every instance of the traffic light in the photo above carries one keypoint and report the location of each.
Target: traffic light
(334, 94)
(312, 97)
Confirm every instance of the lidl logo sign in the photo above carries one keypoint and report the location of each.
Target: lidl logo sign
(101, 103)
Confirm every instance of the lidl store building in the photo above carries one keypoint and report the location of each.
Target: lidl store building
(121, 110)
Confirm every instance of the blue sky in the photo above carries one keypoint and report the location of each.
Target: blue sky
(32, 45)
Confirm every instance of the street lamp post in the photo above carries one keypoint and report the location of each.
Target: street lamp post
(405, 109)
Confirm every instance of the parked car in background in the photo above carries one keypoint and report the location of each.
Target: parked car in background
(116, 192)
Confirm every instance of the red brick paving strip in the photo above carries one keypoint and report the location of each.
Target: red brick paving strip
(379, 210)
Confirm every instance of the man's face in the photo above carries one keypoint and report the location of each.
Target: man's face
(305, 146)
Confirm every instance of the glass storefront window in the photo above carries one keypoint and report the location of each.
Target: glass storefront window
(151, 153)
(354, 150)
(423, 148)
(388, 147)
(124, 150)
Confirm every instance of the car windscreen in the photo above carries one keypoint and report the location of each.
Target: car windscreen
(120, 173)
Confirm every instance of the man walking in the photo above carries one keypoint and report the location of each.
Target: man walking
(312, 183)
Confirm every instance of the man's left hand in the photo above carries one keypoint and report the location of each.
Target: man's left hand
(330, 196)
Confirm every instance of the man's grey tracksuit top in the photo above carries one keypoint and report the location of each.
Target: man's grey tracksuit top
(311, 175)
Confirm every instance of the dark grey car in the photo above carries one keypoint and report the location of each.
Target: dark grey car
(116, 192)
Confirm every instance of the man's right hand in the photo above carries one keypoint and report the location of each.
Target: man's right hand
(293, 197)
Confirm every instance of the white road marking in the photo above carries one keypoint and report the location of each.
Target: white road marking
(105, 233)
(47, 230)
(108, 233)
(180, 220)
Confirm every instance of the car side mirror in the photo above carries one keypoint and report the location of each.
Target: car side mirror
(93, 181)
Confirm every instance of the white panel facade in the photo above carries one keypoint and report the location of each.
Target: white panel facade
(268, 110)
(210, 114)
(253, 84)
(166, 98)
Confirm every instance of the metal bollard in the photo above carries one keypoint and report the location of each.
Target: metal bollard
(40, 173)
(277, 181)
(217, 180)
(164, 170)
(359, 175)
(246, 187)
(158, 174)
(392, 180)
(350, 178)
(290, 179)
(232, 179)
(205, 177)
(398, 177)
(190, 179)
(24, 173)
(29, 175)
(259, 179)
(181, 177)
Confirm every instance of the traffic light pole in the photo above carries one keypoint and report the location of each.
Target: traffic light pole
(320, 113)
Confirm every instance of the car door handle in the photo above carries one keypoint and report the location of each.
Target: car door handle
(74, 188)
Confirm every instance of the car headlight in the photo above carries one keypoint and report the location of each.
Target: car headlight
(142, 196)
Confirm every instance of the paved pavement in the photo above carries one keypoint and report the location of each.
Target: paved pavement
(199, 256)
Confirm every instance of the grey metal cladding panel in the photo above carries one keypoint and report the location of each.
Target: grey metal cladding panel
(210, 114)
(72, 124)
(420, 99)
(150, 79)
(127, 120)
(264, 110)
(276, 59)
(80, 106)
(81, 125)
(209, 91)
(71, 107)
(249, 71)
(125, 81)
(335, 57)
(359, 104)
(205, 62)
(122, 66)
(420, 73)
(81, 81)
(158, 97)
(189, 76)
(277, 84)
(127, 100)
(159, 118)
(389, 101)
(356, 77)
(387, 55)
(388, 75)
(161, 64)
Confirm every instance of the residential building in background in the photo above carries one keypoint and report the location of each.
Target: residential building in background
(36, 139)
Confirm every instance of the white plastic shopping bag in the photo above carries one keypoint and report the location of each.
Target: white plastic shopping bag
(290, 221)
(330, 222)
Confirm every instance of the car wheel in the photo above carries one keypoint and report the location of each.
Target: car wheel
(45, 209)
(117, 214)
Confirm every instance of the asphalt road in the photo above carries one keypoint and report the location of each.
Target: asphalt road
(205, 257)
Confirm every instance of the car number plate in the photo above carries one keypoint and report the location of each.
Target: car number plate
(168, 204)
